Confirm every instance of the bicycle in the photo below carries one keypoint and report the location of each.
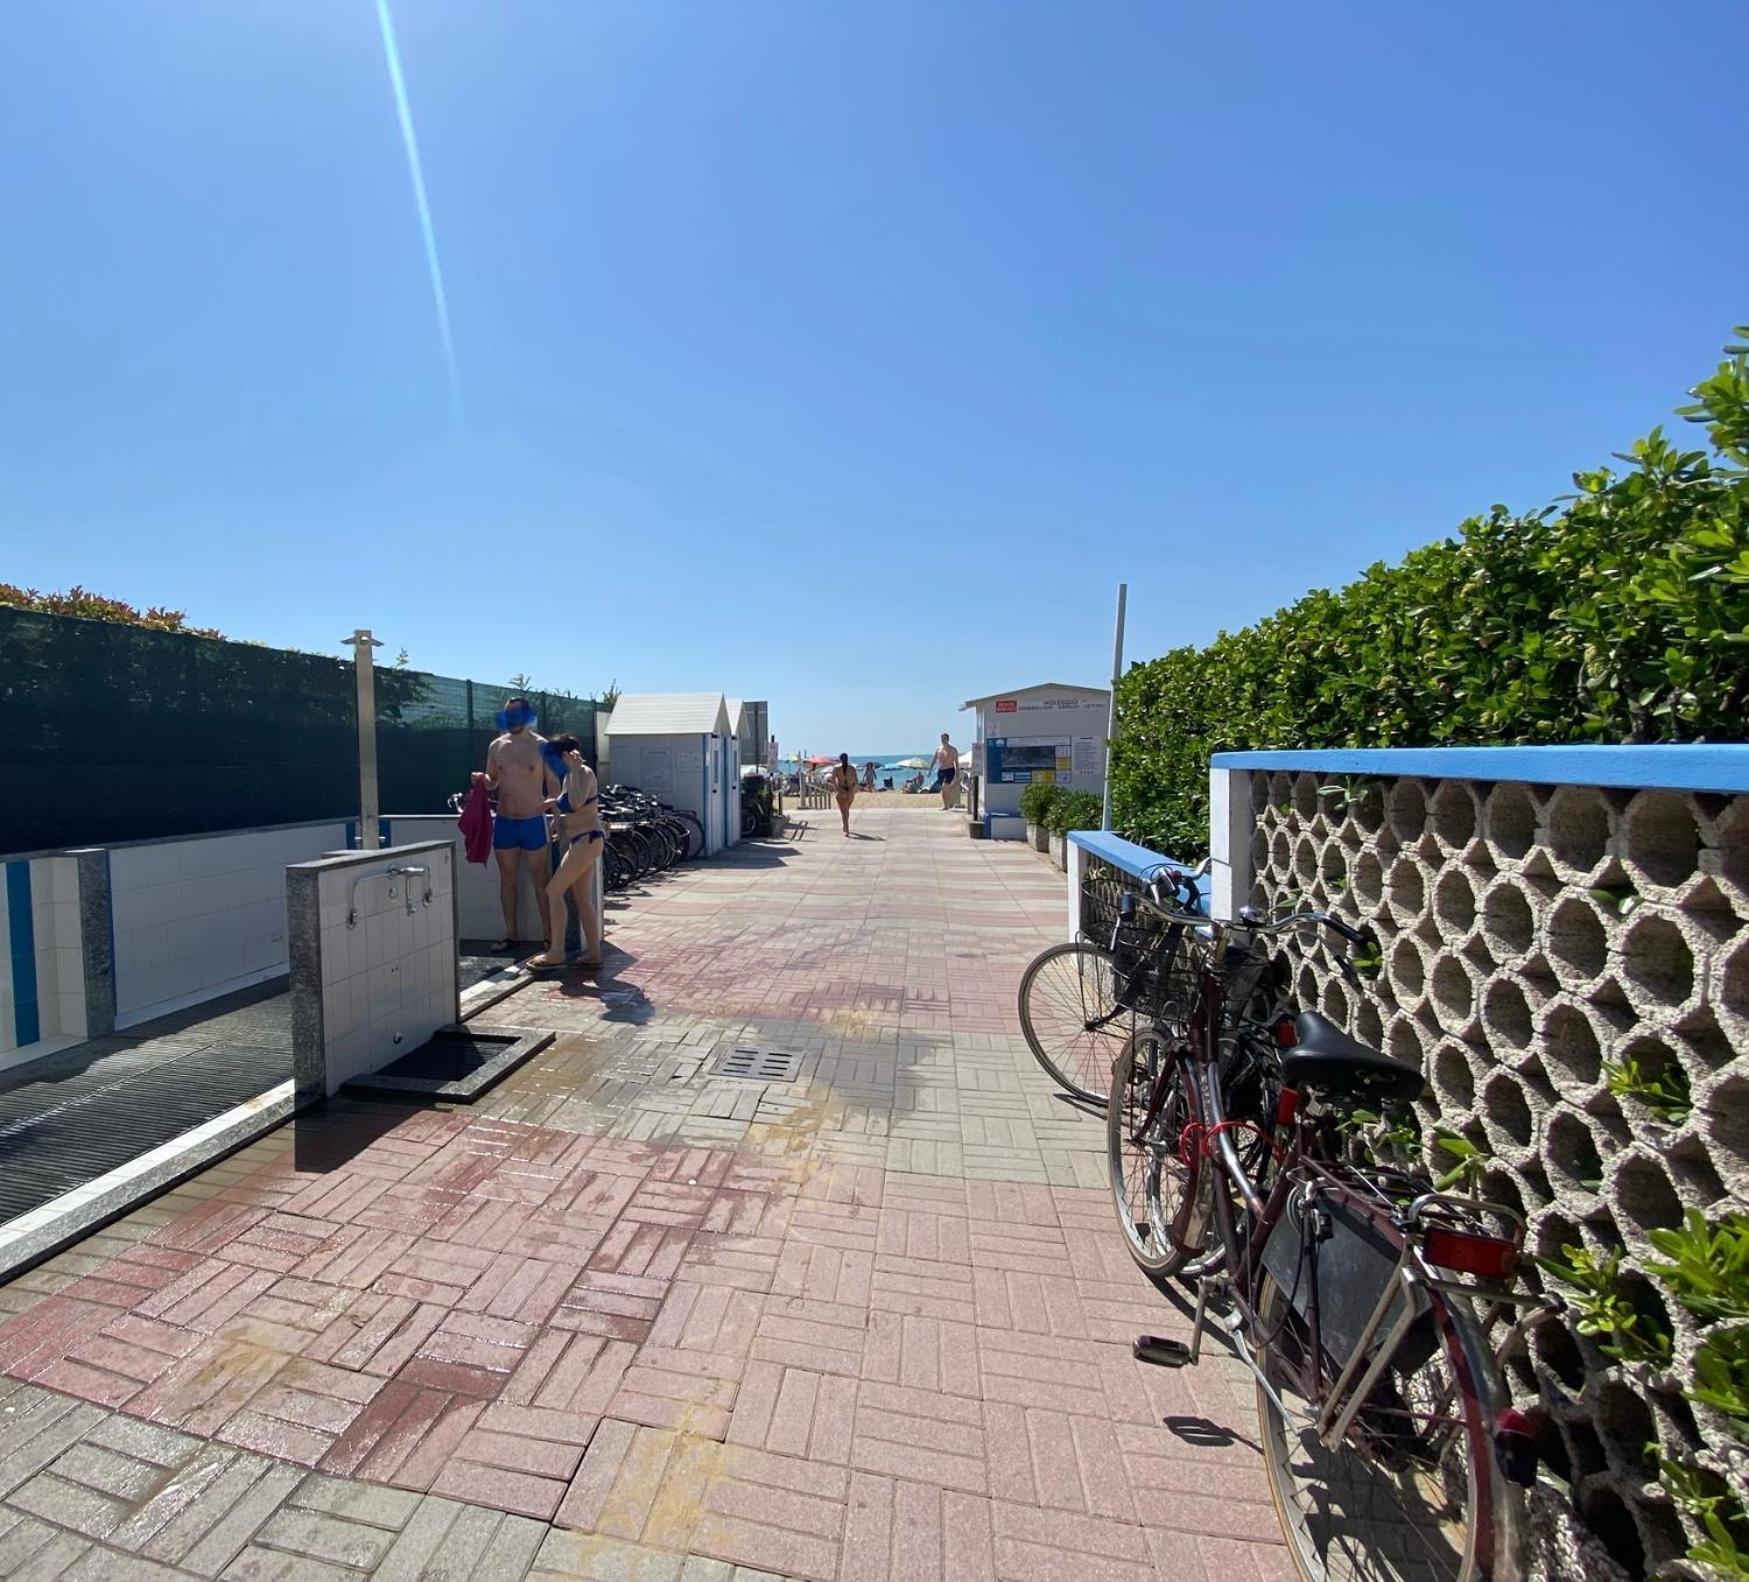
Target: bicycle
(1078, 1000)
(1346, 1288)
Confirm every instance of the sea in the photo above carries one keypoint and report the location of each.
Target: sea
(884, 762)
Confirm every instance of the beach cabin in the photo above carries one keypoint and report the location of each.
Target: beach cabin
(1049, 732)
(750, 720)
(679, 746)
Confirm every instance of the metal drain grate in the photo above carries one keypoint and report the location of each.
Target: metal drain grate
(758, 1065)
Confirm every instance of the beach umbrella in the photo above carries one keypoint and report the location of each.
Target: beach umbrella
(820, 763)
(912, 763)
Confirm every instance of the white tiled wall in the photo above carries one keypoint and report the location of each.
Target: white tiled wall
(482, 913)
(388, 980)
(53, 955)
(197, 918)
(60, 961)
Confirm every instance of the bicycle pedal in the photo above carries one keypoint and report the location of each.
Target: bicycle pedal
(1160, 1351)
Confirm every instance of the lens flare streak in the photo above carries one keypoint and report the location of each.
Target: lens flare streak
(404, 112)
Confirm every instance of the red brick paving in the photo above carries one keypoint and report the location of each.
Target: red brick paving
(851, 1370)
(823, 1370)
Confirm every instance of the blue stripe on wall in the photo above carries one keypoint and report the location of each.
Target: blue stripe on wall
(27, 1021)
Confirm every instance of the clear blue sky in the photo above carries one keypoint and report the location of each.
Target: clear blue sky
(842, 354)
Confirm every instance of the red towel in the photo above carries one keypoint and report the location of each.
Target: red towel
(476, 824)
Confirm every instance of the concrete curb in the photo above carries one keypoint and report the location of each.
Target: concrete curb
(34, 1236)
(489, 991)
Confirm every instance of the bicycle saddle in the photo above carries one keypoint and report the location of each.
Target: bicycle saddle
(1326, 1057)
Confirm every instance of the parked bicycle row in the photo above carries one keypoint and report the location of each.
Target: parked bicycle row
(1266, 1163)
(643, 834)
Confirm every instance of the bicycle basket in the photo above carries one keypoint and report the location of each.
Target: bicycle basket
(1158, 971)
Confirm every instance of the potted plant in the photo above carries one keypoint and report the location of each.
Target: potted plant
(1035, 808)
(1071, 810)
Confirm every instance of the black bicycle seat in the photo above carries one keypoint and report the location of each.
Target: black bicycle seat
(1327, 1058)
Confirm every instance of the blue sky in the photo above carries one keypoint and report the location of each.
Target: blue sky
(846, 355)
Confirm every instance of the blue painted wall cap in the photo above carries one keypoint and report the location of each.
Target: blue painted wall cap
(1675, 766)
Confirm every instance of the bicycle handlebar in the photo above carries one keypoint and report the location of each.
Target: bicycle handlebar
(1279, 925)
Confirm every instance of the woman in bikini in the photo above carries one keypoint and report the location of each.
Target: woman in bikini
(583, 840)
(844, 788)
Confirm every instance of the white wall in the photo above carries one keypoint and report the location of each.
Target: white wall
(476, 885)
(42, 970)
(1074, 720)
(681, 771)
(388, 979)
(199, 917)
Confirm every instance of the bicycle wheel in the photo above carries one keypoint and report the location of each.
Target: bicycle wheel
(1071, 1019)
(1413, 1493)
(1149, 1176)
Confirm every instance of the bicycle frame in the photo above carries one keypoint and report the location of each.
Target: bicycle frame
(1343, 1393)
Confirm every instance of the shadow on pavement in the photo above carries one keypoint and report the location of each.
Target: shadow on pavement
(329, 1135)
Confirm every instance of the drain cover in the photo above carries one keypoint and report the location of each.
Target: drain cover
(758, 1065)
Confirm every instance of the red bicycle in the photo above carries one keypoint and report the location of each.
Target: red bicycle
(1357, 1295)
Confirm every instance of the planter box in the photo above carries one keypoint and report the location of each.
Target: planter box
(1059, 849)
(1038, 837)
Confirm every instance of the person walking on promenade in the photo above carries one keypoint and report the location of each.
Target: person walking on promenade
(947, 768)
(583, 839)
(516, 770)
(843, 782)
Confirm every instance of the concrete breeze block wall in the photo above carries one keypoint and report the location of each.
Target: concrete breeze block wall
(374, 966)
(1531, 934)
(199, 917)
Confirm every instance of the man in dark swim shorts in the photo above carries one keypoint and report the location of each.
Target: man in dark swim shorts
(947, 768)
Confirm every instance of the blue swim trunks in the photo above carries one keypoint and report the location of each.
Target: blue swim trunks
(519, 834)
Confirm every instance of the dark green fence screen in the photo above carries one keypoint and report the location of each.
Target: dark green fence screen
(111, 733)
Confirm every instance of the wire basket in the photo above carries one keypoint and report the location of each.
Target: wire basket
(1158, 968)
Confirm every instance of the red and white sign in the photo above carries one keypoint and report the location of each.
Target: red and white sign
(1007, 706)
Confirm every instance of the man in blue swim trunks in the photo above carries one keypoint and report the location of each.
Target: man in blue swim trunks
(516, 769)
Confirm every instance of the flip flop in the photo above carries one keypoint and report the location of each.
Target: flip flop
(500, 946)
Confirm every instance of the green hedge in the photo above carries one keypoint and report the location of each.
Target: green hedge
(1074, 810)
(1036, 800)
(1621, 614)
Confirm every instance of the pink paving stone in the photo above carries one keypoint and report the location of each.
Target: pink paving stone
(786, 1361)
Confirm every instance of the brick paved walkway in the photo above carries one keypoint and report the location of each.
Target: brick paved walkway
(628, 1317)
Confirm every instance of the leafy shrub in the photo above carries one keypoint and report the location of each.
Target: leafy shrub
(1036, 801)
(1620, 615)
(1074, 810)
(95, 607)
(1603, 1307)
(1664, 1093)
(1721, 1377)
(1709, 1265)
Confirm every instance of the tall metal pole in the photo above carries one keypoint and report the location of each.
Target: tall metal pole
(364, 667)
(1123, 589)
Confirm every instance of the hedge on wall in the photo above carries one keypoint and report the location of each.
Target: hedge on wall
(1618, 615)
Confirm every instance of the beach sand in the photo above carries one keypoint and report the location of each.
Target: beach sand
(889, 799)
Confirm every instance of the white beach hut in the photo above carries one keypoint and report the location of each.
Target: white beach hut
(679, 746)
(1048, 732)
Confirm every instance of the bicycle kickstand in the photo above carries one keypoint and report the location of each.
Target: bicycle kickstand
(1165, 1353)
